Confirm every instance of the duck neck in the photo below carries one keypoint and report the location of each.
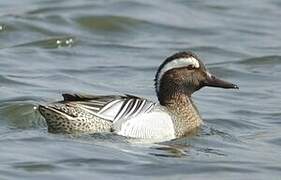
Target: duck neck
(181, 107)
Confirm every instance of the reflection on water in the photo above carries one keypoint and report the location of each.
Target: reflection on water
(50, 43)
(110, 47)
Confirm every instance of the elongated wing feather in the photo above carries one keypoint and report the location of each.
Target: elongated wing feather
(112, 108)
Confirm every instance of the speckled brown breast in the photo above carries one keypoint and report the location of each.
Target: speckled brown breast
(184, 114)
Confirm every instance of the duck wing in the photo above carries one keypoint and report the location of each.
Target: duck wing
(111, 107)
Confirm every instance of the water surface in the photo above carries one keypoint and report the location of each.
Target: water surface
(110, 47)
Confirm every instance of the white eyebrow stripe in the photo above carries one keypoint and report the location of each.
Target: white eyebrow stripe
(176, 63)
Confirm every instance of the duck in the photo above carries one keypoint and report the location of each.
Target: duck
(174, 116)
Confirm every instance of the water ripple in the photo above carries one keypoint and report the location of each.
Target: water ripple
(114, 47)
(50, 43)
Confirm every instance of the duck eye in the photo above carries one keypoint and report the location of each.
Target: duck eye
(190, 67)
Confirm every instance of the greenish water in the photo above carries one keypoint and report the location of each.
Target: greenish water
(49, 47)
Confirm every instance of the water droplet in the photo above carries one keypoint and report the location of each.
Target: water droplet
(69, 41)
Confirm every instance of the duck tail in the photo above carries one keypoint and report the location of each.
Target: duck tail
(55, 119)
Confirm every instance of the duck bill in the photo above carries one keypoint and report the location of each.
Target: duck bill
(213, 81)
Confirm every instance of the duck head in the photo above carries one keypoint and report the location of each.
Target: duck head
(185, 73)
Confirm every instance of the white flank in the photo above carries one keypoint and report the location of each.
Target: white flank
(177, 63)
(153, 125)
